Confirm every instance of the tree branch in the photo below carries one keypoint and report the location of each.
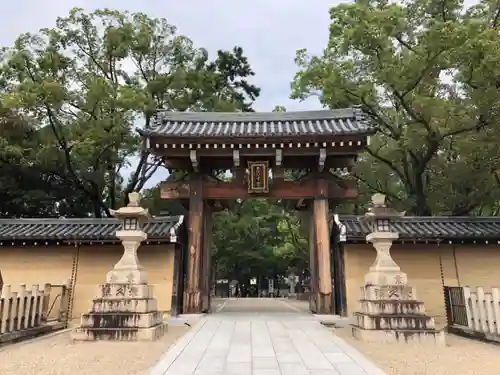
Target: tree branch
(385, 161)
(424, 72)
(399, 38)
(494, 24)
(481, 123)
(377, 189)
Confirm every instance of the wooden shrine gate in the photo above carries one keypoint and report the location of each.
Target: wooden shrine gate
(259, 149)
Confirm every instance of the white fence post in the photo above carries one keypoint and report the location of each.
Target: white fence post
(21, 321)
(468, 306)
(495, 294)
(490, 316)
(483, 324)
(5, 294)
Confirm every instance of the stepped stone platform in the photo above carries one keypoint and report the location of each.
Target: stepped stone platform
(123, 311)
(392, 313)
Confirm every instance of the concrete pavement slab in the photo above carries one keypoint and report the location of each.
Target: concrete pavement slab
(272, 342)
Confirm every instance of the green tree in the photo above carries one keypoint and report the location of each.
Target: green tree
(87, 82)
(20, 189)
(426, 72)
(257, 239)
(28, 188)
(151, 199)
(243, 240)
(279, 108)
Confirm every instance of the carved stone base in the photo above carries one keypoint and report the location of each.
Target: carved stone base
(120, 334)
(122, 311)
(394, 321)
(392, 313)
(425, 337)
(122, 319)
(138, 305)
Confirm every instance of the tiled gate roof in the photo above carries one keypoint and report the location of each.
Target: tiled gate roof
(349, 121)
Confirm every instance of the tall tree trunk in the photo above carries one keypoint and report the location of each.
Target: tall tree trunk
(96, 206)
(421, 207)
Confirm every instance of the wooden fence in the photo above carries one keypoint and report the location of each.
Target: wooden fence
(474, 311)
(31, 311)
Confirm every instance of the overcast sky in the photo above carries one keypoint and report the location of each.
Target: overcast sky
(270, 31)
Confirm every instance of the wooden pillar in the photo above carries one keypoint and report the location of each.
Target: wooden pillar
(342, 300)
(313, 264)
(322, 244)
(238, 174)
(207, 258)
(278, 174)
(178, 281)
(339, 285)
(194, 286)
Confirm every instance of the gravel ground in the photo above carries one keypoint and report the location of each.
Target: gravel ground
(58, 355)
(461, 356)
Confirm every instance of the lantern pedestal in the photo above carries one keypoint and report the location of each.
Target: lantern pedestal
(389, 310)
(384, 271)
(128, 268)
(125, 308)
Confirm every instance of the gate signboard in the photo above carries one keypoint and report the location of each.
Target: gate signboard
(258, 177)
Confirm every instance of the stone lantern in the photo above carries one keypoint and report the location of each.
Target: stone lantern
(384, 270)
(389, 310)
(128, 268)
(125, 308)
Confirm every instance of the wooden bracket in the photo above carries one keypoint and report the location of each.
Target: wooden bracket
(279, 157)
(194, 160)
(322, 159)
(236, 158)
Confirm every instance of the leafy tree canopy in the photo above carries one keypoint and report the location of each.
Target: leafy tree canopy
(259, 239)
(427, 74)
(85, 85)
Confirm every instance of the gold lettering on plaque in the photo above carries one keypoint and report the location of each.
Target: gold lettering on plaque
(258, 177)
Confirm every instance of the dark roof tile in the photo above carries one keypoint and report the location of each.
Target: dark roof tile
(81, 229)
(161, 228)
(432, 228)
(349, 121)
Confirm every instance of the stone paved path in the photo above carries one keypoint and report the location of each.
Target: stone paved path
(279, 340)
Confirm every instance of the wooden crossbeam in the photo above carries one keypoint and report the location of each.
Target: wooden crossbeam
(237, 160)
(278, 189)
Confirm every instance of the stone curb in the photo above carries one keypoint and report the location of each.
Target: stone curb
(367, 365)
(161, 367)
(291, 307)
